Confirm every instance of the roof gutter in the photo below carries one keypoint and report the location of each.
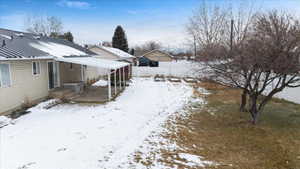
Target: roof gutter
(25, 59)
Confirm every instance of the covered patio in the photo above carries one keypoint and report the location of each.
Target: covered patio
(116, 78)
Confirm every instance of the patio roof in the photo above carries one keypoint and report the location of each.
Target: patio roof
(92, 61)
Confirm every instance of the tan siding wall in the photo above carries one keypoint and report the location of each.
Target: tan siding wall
(103, 54)
(92, 73)
(68, 75)
(159, 56)
(25, 86)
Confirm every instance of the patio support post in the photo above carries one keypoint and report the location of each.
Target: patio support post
(129, 71)
(124, 79)
(115, 81)
(120, 78)
(109, 85)
(131, 67)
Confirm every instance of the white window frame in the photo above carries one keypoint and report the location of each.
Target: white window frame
(10, 77)
(39, 64)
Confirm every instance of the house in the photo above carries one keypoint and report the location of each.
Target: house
(115, 54)
(112, 53)
(158, 56)
(32, 66)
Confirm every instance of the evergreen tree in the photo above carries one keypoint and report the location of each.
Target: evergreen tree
(119, 39)
(132, 52)
(68, 36)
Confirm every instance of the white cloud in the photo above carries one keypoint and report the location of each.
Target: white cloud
(74, 4)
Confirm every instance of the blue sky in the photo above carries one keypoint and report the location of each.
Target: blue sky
(93, 21)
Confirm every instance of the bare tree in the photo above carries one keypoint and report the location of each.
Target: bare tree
(146, 47)
(264, 63)
(208, 25)
(216, 29)
(107, 44)
(44, 25)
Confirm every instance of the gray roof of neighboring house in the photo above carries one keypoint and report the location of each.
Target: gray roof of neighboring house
(15, 44)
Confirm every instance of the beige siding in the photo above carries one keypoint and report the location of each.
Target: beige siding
(72, 74)
(92, 73)
(24, 85)
(69, 74)
(158, 56)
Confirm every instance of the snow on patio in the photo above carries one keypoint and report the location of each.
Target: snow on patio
(100, 136)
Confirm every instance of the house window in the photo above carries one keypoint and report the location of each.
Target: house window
(5, 80)
(36, 69)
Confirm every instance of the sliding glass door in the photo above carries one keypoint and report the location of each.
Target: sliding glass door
(53, 74)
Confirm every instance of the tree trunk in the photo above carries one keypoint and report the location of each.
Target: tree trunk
(243, 101)
(253, 109)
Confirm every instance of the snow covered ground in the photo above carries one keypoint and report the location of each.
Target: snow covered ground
(81, 136)
(291, 94)
(100, 83)
(179, 69)
(186, 68)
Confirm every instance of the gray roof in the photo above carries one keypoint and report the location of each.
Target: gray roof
(17, 44)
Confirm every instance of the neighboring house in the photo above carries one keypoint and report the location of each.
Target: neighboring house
(158, 56)
(112, 53)
(32, 65)
(115, 54)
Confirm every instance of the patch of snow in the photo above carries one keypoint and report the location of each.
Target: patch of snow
(95, 62)
(174, 79)
(156, 143)
(4, 121)
(117, 52)
(194, 160)
(291, 94)
(19, 34)
(37, 37)
(5, 36)
(203, 91)
(56, 49)
(100, 83)
(43, 104)
(177, 69)
(94, 137)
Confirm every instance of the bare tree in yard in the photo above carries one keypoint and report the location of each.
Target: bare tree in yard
(152, 45)
(218, 29)
(208, 25)
(44, 25)
(265, 62)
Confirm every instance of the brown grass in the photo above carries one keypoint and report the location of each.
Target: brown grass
(225, 135)
(218, 132)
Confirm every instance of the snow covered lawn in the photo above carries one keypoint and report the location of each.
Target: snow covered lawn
(291, 94)
(91, 137)
(178, 69)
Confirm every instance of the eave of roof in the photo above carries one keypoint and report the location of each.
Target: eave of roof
(158, 51)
